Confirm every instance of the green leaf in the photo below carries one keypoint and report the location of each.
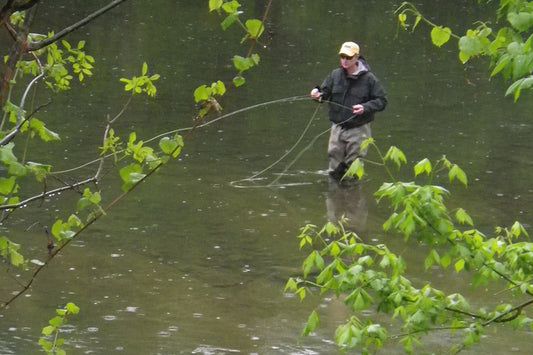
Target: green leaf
(215, 5)
(144, 69)
(440, 35)
(396, 155)
(7, 185)
(171, 146)
(517, 86)
(291, 284)
(463, 217)
(402, 18)
(66, 45)
(433, 257)
(202, 93)
(56, 321)
(6, 154)
(243, 64)
(445, 260)
(459, 265)
(255, 28)
(423, 166)
(45, 344)
(501, 64)
(218, 88)
(521, 21)
(131, 174)
(334, 250)
(366, 143)
(72, 308)
(48, 330)
(517, 229)
(312, 323)
(470, 45)
(238, 81)
(17, 169)
(228, 21)
(231, 6)
(457, 173)
(16, 258)
(330, 229)
(356, 169)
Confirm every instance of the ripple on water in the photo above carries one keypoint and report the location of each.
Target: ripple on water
(211, 350)
(110, 317)
(163, 334)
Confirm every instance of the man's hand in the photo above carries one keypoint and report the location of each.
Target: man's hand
(315, 93)
(358, 109)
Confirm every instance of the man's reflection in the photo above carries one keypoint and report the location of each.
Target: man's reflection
(348, 199)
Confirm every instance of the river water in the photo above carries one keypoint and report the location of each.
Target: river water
(195, 260)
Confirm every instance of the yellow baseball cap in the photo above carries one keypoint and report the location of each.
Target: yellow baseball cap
(349, 48)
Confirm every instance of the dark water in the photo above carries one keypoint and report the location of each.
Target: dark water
(195, 261)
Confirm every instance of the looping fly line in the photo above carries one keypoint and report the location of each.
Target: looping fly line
(254, 177)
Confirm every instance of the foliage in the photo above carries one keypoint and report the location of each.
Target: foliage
(136, 159)
(206, 95)
(509, 47)
(51, 342)
(49, 59)
(372, 279)
(142, 83)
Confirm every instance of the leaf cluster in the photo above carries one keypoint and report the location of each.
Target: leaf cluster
(136, 157)
(373, 279)
(509, 47)
(51, 343)
(143, 83)
(208, 95)
(61, 61)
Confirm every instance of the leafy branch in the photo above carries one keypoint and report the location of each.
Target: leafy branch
(372, 277)
(51, 342)
(145, 161)
(510, 47)
(207, 96)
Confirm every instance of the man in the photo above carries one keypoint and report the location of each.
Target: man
(354, 94)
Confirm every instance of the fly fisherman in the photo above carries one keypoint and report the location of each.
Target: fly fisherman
(354, 94)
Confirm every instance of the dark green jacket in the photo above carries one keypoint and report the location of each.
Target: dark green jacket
(343, 91)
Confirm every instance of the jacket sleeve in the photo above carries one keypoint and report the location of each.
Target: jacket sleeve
(378, 97)
(326, 87)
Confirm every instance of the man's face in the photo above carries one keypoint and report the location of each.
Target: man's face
(348, 62)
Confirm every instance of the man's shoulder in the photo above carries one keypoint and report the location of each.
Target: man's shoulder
(337, 72)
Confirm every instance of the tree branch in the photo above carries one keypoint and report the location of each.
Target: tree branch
(32, 46)
(47, 193)
(12, 6)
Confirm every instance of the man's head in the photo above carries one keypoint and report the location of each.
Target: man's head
(349, 54)
(349, 49)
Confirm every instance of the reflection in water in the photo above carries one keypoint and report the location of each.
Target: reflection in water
(347, 199)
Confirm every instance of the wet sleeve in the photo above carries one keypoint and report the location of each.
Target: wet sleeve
(326, 87)
(378, 97)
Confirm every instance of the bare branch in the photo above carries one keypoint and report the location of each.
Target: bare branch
(47, 193)
(32, 46)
